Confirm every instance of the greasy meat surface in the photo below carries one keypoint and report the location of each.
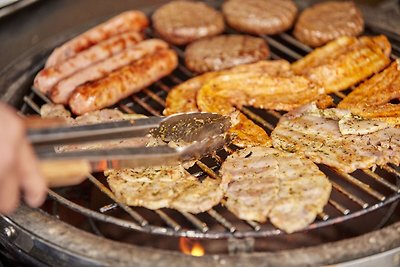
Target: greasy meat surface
(372, 99)
(337, 138)
(260, 16)
(182, 98)
(257, 90)
(126, 21)
(164, 187)
(123, 82)
(269, 183)
(324, 22)
(48, 77)
(344, 62)
(61, 92)
(181, 22)
(224, 51)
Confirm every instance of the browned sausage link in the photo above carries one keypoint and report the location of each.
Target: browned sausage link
(61, 92)
(123, 82)
(127, 21)
(48, 77)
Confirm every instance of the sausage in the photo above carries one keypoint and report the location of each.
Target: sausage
(61, 92)
(126, 21)
(48, 77)
(123, 82)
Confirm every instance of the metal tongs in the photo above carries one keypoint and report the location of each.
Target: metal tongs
(194, 135)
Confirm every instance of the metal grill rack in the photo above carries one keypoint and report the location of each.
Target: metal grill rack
(352, 194)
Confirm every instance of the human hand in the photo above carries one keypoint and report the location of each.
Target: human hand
(19, 171)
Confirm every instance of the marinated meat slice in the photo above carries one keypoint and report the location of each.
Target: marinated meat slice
(182, 98)
(48, 77)
(269, 183)
(123, 82)
(344, 62)
(181, 22)
(260, 16)
(164, 187)
(61, 92)
(223, 52)
(324, 22)
(337, 138)
(126, 21)
(257, 90)
(372, 99)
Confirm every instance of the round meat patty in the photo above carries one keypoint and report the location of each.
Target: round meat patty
(260, 16)
(224, 51)
(327, 21)
(181, 22)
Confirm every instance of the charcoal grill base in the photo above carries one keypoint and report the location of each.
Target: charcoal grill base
(59, 244)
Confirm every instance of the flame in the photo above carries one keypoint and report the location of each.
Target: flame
(191, 247)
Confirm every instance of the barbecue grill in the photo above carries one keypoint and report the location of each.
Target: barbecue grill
(85, 225)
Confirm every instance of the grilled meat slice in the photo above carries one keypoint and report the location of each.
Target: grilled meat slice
(324, 22)
(260, 16)
(337, 138)
(182, 98)
(269, 183)
(344, 62)
(181, 22)
(123, 82)
(61, 92)
(224, 51)
(372, 99)
(126, 21)
(48, 77)
(164, 187)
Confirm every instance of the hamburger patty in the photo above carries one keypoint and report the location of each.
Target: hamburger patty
(181, 22)
(327, 21)
(260, 16)
(225, 51)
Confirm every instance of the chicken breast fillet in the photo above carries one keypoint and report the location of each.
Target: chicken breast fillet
(337, 138)
(345, 62)
(269, 183)
(372, 99)
(164, 187)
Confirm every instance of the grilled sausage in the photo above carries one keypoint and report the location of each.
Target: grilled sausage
(61, 92)
(48, 77)
(127, 21)
(123, 82)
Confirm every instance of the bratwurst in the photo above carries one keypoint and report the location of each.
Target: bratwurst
(61, 92)
(123, 82)
(48, 77)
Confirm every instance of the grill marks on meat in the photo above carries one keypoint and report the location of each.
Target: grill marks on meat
(48, 77)
(223, 52)
(165, 187)
(327, 21)
(182, 98)
(372, 98)
(61, 92)
(268, 183)
(181, 22)
(260, 16)
(123, 82)
(337, 138)
(344, 62)
(127, 21)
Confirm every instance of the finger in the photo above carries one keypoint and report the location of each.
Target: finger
(32, 183)
(9, 193)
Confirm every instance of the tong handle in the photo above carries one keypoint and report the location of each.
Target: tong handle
(64, 172)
